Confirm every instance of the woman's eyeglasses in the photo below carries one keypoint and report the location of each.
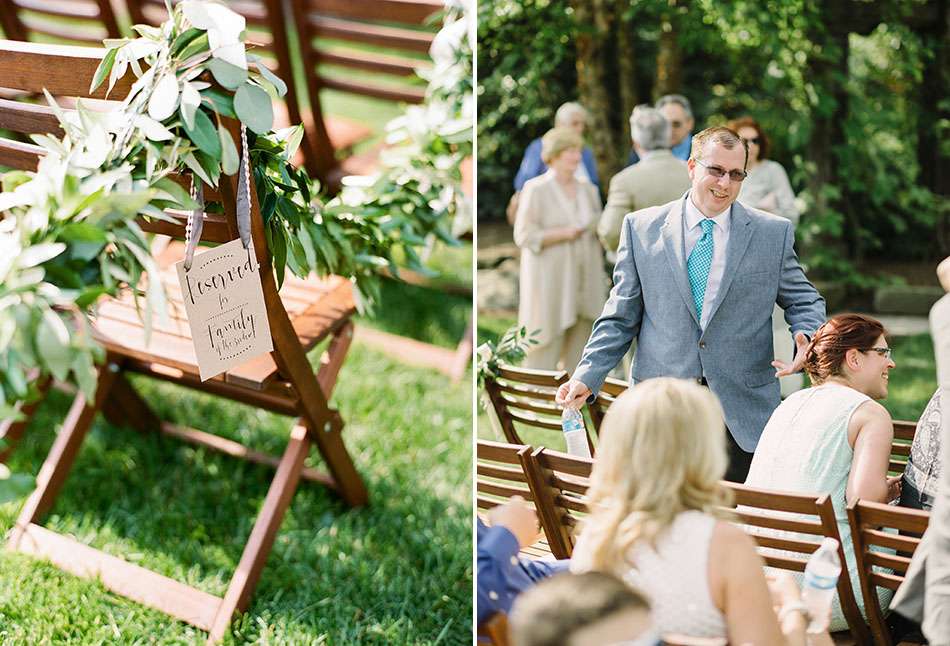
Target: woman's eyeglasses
(754, 140)
(716, 171)
(884, 352)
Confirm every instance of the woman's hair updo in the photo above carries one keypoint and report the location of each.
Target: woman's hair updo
(825, 355)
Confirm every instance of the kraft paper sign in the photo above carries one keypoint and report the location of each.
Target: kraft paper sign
(225, 307)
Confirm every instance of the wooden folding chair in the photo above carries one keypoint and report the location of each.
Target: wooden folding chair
(904, 433)
(796, 514)
(340, 62)
(74, 21)
(499, 476)
(879, 569)
(559, 483)
(495, 630)
(305, 313)
(523, 397)
(609, 392)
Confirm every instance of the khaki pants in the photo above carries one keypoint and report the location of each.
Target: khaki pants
(563, 351)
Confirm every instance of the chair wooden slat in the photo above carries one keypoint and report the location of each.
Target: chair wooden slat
(789, 524)
(68, 69)
(91, 34)
(788, 544)
(372, 62)
(522, 390)
(18, 155)
(505, 473)
(29, 118)
(557, 507)
(399, 11)
(784, 562)
(872, 529)
(534, 377)
(375, 90)
(370, 34)
(60, 8)
(904, 430)
(550, 411)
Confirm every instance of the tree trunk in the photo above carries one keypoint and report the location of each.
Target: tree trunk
(627, 69)
(592, 23)
(828, 72)
(669, 59)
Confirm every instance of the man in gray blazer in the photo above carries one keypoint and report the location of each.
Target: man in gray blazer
(694, 284)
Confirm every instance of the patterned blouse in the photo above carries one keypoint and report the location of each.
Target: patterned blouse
(924, 467)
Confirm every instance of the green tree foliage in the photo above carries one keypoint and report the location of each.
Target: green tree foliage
(842, 88)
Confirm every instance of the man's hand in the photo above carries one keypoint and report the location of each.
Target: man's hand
(572, 394)
(783, 369)
(516, 517)
(894, 487)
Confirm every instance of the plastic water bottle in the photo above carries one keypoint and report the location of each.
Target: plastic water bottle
(575, 434)
(821, 581)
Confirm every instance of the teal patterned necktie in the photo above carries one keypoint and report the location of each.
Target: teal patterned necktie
(698, 264)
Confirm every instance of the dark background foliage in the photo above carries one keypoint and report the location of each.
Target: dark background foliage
(852, 94)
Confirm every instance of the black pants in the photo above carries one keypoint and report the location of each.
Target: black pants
(739, 461)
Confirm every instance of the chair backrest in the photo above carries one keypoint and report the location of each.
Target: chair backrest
(787, 528)
(609, 392)
(559, 482)
(900, 447)
(66, 71)
(73, 21)
(523, 399)
(369, 48)
(878, 568)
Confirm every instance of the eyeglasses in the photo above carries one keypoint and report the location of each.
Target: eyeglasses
(884, 352)
(754, 140)
(716, 171)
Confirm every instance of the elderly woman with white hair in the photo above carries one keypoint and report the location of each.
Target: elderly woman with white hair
(569, 115)
(562, 283)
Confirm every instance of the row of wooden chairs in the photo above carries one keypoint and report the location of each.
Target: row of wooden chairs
(555, 485)
(339, 43)
(523, 401)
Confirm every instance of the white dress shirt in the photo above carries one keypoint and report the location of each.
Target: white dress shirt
(692, 232)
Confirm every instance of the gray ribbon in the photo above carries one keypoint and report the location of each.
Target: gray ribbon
(243, 207)
(196, 222)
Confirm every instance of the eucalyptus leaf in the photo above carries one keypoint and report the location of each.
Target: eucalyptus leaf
(192, 163)
(229, 153)
(164, 99)
(228, 75)
(271, 78)
(253, 107)
(38, 254)
(204, 135)
(196, 46)
(190, 102)
(52, 341)
(219, 101)
(178, 192)
(105, 66)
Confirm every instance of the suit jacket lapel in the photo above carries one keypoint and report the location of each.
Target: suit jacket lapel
(675, 254)
(740, 232)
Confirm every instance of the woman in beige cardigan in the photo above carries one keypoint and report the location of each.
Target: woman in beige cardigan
(563, 285)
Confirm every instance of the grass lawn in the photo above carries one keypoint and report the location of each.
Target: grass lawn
(396, 572)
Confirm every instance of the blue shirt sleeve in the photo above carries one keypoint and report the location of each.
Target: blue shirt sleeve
(501, 574)
(531, 164)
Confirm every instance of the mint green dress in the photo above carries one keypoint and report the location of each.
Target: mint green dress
(804, 449)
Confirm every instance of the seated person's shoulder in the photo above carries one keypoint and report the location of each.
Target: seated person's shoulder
(873, 410)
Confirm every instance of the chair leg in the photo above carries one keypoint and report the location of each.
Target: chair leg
(11, 431)
(332, 360)
(329, 440)
(126, 408)
(262, 536)
(53, 473)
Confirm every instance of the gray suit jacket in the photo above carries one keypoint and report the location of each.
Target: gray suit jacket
(925, 593)
(651, 302)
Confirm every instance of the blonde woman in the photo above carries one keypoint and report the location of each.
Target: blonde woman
(562, 283)
(655, 500)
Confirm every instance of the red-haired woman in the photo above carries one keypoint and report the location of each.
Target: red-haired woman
(833, 437)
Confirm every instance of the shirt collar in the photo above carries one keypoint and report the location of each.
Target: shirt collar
(693, 216)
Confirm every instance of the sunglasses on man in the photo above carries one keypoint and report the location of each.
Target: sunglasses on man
(717, 171)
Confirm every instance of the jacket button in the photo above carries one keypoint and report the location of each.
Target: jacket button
(702, 344)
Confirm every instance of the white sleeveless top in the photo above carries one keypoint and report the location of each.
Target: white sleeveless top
(674, 576)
